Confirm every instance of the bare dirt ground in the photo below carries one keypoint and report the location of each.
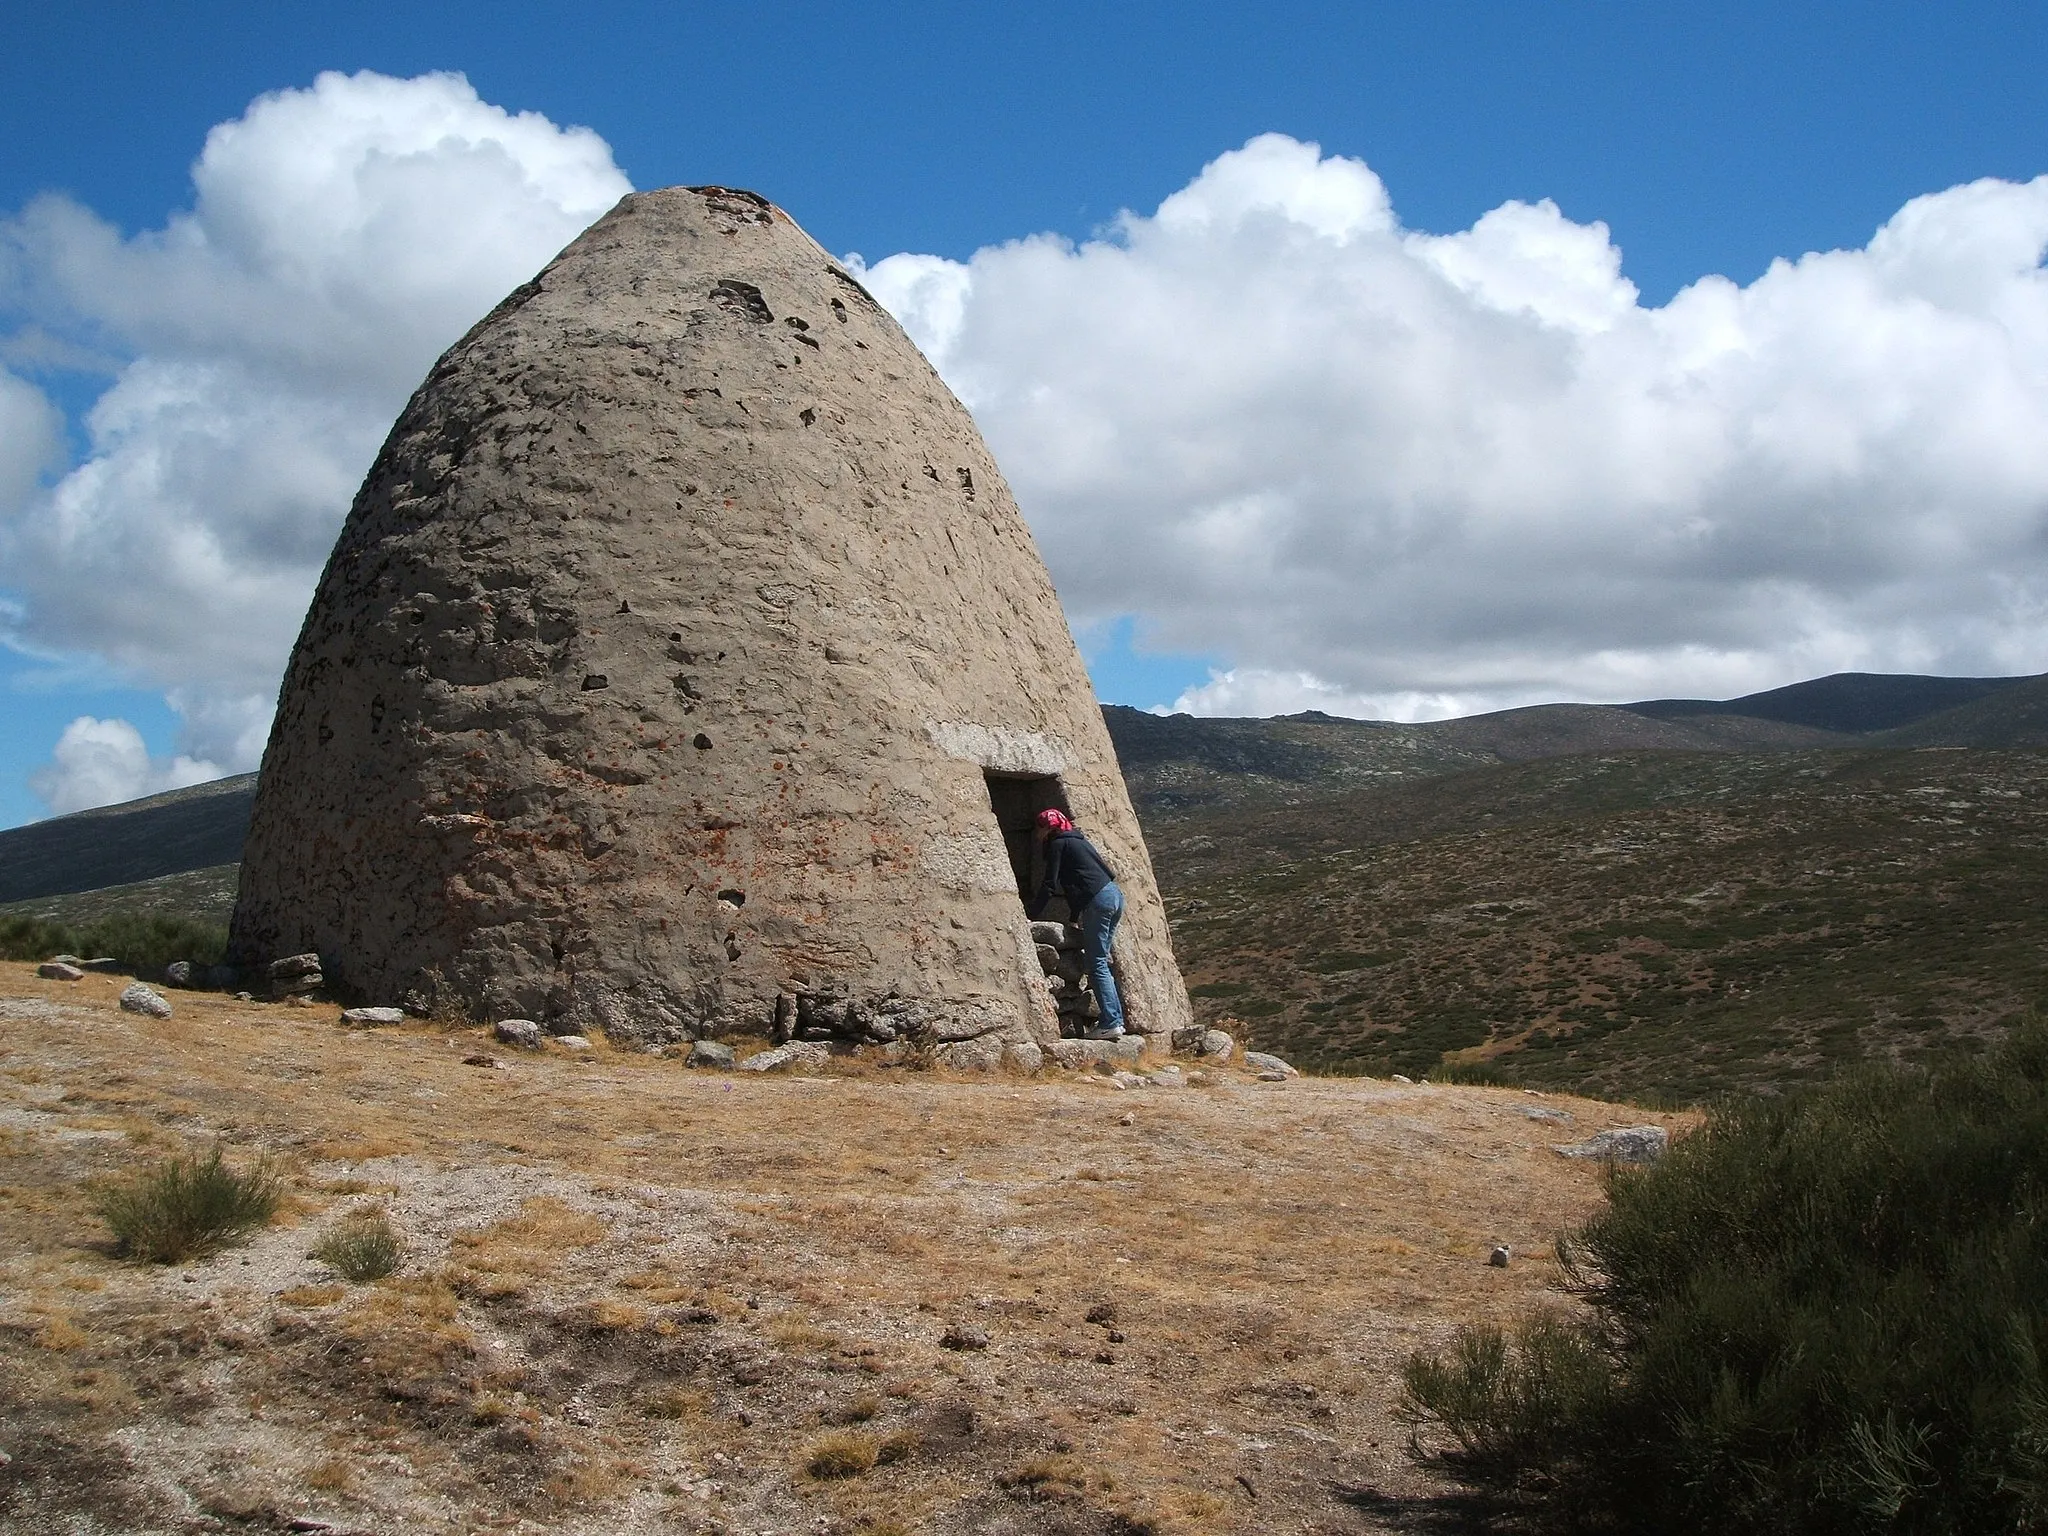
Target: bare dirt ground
(639, 1298)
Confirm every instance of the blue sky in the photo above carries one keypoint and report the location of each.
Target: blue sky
(1708, 140)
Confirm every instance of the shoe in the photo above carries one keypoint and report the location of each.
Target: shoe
(1099, 1033)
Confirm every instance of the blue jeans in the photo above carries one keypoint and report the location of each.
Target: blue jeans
(1098, 922)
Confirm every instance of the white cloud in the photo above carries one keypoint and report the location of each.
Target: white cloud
(31, 439)
(341, 237)
(1378, 471)
(1255, 691)
(1413, 471)
(103, 762)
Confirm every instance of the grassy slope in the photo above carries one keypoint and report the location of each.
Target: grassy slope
(201, 895)
(1662, 924)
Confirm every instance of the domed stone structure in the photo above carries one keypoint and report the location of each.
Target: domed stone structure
(684, 668)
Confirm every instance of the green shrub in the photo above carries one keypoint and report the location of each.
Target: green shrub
(188, 1206)
(361, 1247)
(142, 942)
(33, 938)
(1823, 1313)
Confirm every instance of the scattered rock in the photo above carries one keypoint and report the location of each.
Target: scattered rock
(1406, 1081)
(1275, 1077)
(1127, 1118)
(1078, 1055)
(1261, 1062)
(1115, 1336)
(481, 1061)
(105, 964)
(798, 1053)
(1625, 1144)
(710, 1053)
(573, 1044)
(981, 1054)
(1102, 1312)
(964, 1336)
(1122, 1080)
(1538, 1112)
(178, 973)
(1499, 1257)
(1167, 1077)
(522, 1034)
(371, 1018)
(1024, 1057)
(1056, 935)
(136, 998)
(1216, 1045)
(295, 974)
(58, 970)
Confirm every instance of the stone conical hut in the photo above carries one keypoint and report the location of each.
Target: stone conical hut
(685, 667)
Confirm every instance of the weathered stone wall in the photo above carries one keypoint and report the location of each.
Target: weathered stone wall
(651, 683)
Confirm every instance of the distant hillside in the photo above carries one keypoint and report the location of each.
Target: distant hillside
(1646, 923)
(1175, 764)
(1182, 764)
(1852, 702)
(167, 834)
(1565, 730)
(2011, 717)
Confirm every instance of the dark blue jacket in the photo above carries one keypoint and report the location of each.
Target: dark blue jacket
(1074, 869)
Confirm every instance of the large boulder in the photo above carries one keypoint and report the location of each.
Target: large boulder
(522, 1034)
(684, 655)
(146, 1000)
(1624, 1144)
(797, 1055)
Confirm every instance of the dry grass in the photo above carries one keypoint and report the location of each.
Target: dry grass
(844, 1454)
(312, 1295)
(625, 1277)
(329, 1476)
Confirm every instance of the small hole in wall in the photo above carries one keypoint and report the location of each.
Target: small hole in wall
(737, 898)
(701, 742)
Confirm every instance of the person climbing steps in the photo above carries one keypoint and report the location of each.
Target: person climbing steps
(1074, 869)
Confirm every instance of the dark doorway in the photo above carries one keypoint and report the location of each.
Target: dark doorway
(1017, 799)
